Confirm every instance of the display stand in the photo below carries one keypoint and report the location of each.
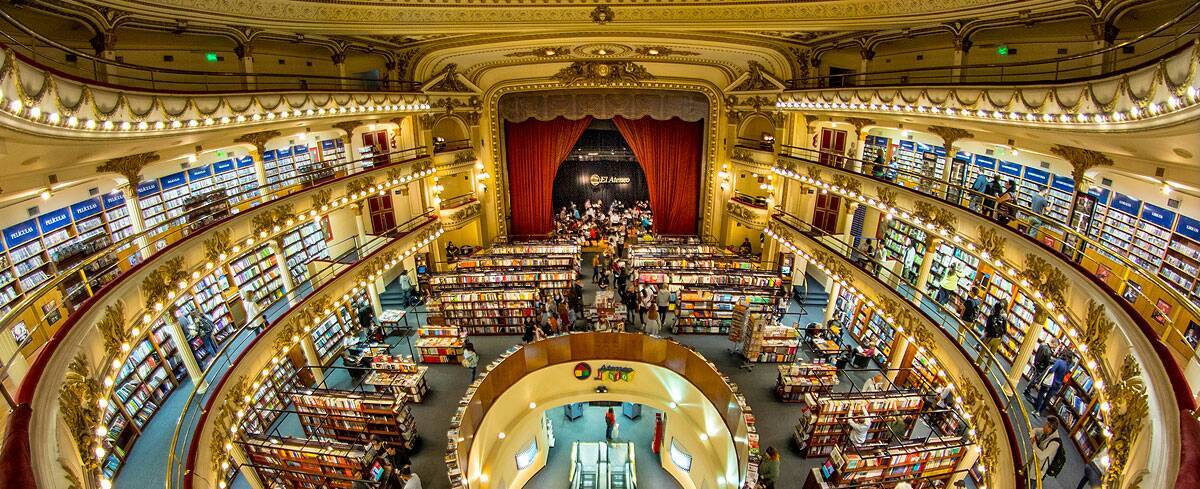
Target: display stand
(398, 375)
(763, 342)
(440, 344)
(802, 378)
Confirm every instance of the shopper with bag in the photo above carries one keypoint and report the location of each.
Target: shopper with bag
(1043, 356)
(994, 329)
(1053, 381)
(610, 421)
(768, 472)
(470, 359)
(1049, 448)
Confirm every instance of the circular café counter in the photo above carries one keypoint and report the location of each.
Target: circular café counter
(499, 418)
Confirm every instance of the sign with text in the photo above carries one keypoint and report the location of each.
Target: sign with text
(598, 180)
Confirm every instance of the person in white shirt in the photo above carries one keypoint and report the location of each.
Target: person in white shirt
(860, 425)
(875, 384)
(411, 481)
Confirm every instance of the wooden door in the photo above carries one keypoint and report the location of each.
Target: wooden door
(825, 212)
(832, 144)
(383, 216)
(378, 141)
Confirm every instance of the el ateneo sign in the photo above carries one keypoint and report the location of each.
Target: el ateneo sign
(606, 372)
(598, 180)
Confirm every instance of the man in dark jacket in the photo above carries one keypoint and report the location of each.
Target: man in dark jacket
(1042, 358)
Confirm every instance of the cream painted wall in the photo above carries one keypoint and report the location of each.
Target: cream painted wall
(714, 460)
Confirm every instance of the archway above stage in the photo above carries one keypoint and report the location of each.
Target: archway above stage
(669, 152)
(547, 105)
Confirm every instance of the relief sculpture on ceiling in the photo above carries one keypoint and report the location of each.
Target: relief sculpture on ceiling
(603, 73)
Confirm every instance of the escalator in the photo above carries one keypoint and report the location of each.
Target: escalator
(601, 465)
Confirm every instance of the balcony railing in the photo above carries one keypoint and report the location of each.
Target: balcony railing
(1062, 239)
(1150, 46)
(95, 70)
(199, 407)
(988, 364)
(145, 244)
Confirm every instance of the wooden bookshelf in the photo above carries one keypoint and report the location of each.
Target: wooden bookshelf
(769, 342)
(298, 463)
(485, 311)
(440, 344)
(354, 417)
(823, 423)
(936, 459)
(398, 375)
(797, 379)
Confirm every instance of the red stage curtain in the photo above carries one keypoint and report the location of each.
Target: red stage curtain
(535, 149)
(669, 152)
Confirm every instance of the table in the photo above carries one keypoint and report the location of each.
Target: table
(827, 349)
(391, 318)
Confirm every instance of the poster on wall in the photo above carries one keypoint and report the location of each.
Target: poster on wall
(1103, 272)
(1192, 335)
(1162, 312)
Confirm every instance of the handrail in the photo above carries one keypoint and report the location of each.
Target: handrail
(902, 74)
(254, 197)
(954, 194)
(152, 70)
(197, 407)
(951, 325)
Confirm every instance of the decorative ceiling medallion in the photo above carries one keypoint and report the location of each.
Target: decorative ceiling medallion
(663, 51)
(546, 52)
(602, 73)
(602, 49)
(602, 14)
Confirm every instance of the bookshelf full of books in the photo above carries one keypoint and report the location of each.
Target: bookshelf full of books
(398, 375)
(352, 417)
(300, 463)
(303, 245)
(544, 280)
(935, 459)
(770, 342)
(270, 399)
(440, 344)
(797, 379)
(150, 373)
(257, 273)
(823, 421)
(484, 311)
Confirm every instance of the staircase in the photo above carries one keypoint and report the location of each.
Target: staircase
(817, 297)
(390, 297)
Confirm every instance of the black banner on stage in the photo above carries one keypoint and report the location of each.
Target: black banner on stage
(577, 181)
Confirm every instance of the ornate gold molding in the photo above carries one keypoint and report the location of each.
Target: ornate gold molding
(218, 245)
(984, 429)
(1097, 327)
(78, 408)
(1128, 411)
(1081, 161)
(935, 215)
(228, 420)
(886, 196)
(542, 52)
(1047, 281)
(258, 139)
(848, 183)
(160, 285)
(129, 166)
(320, 199)
(859, 123)
(990, 241)
(603, 73)
(949, 135)
(112, 328)
(348, 126)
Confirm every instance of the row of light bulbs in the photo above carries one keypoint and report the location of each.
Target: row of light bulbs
(1174, 103)
(345, 300)
(291, 223)
(37, 115)
(1012, 272)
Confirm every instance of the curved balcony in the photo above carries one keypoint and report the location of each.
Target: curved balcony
(154, 282)
(1001, 248)
(1003, 430)
(199, 454)
(1160, 92)
(43, 100)
(1150, 47)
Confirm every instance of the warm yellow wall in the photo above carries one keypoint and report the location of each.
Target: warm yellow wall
(714, 462)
